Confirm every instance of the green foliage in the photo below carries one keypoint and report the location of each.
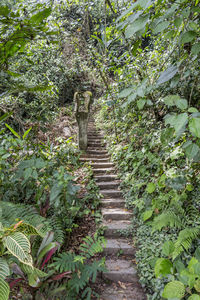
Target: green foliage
(83, 271)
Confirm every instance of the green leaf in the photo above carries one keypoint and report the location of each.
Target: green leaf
(26, 133)
(4, 290)
(4, 268)
(27, 173)
(171, 99)
(187, 37)
(141, 103)
(194, 297)
(161, 27)
(174, 289)
(191, 150)
(195, 49)
(181, 103)
(193, 110)
(163, 267)
(180, 122)
(5, 116)
(147, 214)
(145, 3)
(178, 21)
(168, 248)
(125, 93)
(194, 261)
(194, 127)
(40, 16)
(13, 131)
(167, 74)
(19, 246)
(136, 26)
(150, 187)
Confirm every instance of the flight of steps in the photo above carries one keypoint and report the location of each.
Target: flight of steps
(119, 251)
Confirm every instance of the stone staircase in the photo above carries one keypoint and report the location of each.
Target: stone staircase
(119, 251)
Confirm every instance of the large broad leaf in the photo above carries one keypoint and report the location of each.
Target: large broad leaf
(168, 248)
(136, 26)
(141, 103)
(194, 126)
(161, 27)
(170, 99)
(150, 187)
(181, 103)
(147, 215)
(125, 92)
(4, 290)
(180, 122)
(40, 16)
(19, 246)
(145, 3)
(127, 11)
(167, 74)
(188, 37)
(191, 150)
(163, 267)
(194, 297)
(4, 268)
(196, 49)
(174, 289)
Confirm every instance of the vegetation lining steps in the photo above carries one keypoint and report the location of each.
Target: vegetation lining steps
(119, 251)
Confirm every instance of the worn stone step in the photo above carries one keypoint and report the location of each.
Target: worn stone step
(95, 160)
(131, 291)
(105, 178)
(95, 144)
(108, 185)
(112, 229)
(97, 152)
(111, 193)
(120, 270)
(118, 247)
(116, 214)
(112, 203)
(102, 165)
(104, 171)
(99, 156)
(100, 148)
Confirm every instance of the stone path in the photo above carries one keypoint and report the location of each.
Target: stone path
(119, 251)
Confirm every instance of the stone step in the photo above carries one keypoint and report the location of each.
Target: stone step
(95, 145)
(116, 214)
(108, 185)
(112, 229)
(105, 178)
(118, 247)
(112, 203)
(104, 171)
(102, 165)
(129, 291)
(111, 193)
(97, 152)
(100, 160)
(100, 148)
(120, 270)
(95, 156)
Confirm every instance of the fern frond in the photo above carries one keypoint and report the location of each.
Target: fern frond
(65, 262)
(185, 239)
(167, 218)
(92, 246)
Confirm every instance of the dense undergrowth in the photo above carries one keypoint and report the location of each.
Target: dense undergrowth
(152, 122)
(144, 56)
(46, 194)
